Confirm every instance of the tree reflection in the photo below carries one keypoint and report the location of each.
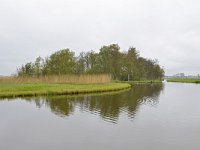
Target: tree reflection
(109, 107)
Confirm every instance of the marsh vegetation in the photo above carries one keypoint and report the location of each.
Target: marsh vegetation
(64, 73)
(70, 78)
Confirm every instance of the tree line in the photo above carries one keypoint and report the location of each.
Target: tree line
(126, 65)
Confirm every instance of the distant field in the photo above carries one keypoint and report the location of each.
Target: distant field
(184, 80)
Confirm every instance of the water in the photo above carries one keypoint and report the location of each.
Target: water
(154, 117)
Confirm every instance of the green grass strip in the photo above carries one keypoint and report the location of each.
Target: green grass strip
(22, 90)
(184, 80)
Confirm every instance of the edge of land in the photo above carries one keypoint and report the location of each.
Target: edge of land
(140, 82)
(12, 90)
(184, 80)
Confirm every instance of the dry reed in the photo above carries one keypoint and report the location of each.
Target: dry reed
(82, 79)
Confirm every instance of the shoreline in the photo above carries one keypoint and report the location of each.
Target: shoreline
(141, 82)
(184, 80)
(12, 90)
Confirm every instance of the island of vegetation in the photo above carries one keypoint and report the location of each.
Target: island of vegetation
(64, 73)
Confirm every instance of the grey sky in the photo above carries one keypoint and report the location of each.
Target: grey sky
(168, 30)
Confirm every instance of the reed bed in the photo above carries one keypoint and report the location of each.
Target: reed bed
(79, 79)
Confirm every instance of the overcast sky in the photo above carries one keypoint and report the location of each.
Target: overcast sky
(168, 30)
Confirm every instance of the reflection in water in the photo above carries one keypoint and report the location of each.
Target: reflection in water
(109, 107)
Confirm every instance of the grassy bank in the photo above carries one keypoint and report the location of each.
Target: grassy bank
(184, 80)
(40, 89)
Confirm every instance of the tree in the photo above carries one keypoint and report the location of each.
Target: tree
(110, 60)
(80, 65)
(126, 65)
(61, 62)
(38, 66)
(130, 65)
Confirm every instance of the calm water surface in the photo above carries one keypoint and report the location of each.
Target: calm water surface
(157, 117)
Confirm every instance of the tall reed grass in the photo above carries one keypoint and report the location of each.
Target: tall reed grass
(82, 79)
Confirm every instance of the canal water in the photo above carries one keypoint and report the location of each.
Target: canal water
(154, 117)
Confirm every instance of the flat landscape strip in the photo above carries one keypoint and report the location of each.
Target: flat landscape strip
(184, 80)
(22, 90)
(140, 82)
